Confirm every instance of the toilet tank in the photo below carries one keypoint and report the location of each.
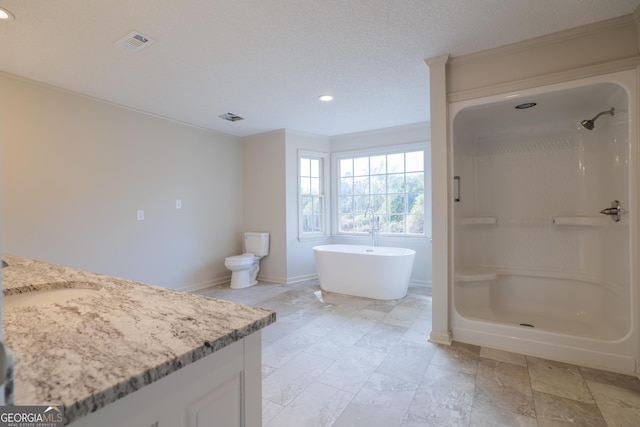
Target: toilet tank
(256, 243)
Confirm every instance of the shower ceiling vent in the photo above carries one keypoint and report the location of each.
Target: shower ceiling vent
(230, 117)
(134, 41)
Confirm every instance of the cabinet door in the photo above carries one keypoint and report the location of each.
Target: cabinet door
(221, 407)
(207, 392)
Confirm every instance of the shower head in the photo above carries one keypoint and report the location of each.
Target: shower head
(590, 124)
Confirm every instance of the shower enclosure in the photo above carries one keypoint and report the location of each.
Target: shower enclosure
(544, 222)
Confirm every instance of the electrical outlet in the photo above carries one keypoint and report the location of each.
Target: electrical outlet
(178, 204)
(140, 215)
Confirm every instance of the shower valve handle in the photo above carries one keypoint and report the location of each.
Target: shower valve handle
(615, 211)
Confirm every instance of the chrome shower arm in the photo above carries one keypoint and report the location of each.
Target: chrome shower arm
(604, 112)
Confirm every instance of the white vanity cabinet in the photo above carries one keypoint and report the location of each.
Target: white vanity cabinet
(223, 389)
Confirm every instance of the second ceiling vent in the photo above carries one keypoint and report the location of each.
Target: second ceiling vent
(135, 41)
(231, 117)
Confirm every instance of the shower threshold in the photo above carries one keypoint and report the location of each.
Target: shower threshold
(592, 328)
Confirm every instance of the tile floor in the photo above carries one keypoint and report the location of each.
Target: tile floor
(335, 360)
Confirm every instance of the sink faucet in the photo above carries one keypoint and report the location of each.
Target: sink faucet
(374, 226)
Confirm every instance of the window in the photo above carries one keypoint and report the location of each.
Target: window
(312, 210)
(391, 184)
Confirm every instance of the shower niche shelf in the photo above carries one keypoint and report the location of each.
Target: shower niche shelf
(577, 220)
(478, 220)
(585, 221)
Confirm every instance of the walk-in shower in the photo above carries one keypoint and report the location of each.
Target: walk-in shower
(539, 266)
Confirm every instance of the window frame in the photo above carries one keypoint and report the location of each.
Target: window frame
(324, 172)
(336, 157)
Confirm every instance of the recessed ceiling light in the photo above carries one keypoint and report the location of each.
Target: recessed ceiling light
(5, 15)
(325, 98)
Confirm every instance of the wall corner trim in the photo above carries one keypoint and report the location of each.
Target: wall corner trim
(547, 79)
(435, 60)
(636, 18)
(551, 39)
(440, 338)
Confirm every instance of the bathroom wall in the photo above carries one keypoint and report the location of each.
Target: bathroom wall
(75, 171)
(264, 198)
(271, 201)
(300, 260)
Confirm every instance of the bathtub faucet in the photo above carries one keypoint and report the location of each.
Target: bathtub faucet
(374, 226)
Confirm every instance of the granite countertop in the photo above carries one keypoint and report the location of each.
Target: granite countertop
(96, 349)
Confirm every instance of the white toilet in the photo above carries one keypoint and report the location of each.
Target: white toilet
(244, 268)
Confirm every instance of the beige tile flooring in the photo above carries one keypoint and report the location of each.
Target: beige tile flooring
(336, 360)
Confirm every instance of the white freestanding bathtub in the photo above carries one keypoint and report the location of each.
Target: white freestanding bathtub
(364, 271)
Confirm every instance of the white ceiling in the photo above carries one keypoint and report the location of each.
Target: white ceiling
(269, 60)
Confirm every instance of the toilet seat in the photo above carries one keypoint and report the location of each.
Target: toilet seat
(239, 260)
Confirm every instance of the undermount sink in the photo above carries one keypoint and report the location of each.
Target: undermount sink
(48, 296)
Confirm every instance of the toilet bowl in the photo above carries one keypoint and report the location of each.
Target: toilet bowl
(244, 268)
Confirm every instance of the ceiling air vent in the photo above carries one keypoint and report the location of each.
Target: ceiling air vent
(135, 41)
(230, 117)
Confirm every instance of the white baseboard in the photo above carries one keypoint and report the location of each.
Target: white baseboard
(421, 283)
(440, 338)
(204, 285)
(287, 280)
(270, 279)
(300, 279)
